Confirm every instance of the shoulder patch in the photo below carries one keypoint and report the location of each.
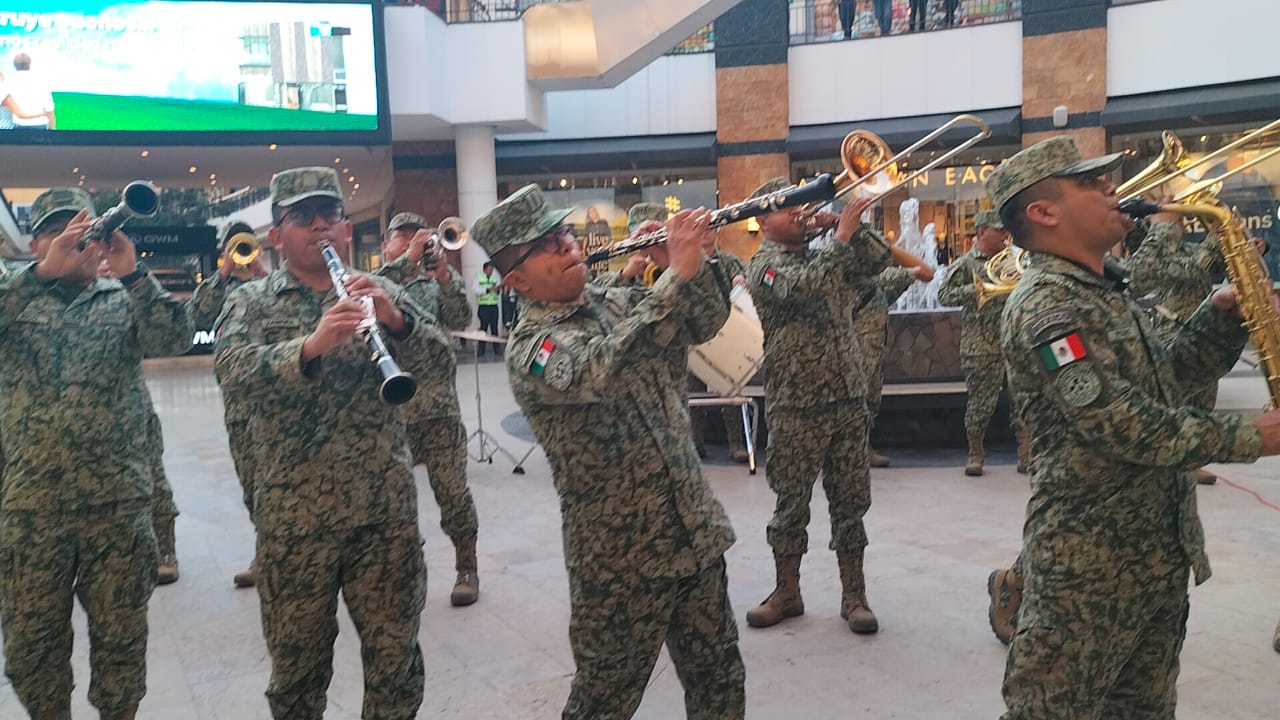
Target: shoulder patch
(775, 282)
(1062, 351)
(551, 363)
(1079, 384)
(1058, 317)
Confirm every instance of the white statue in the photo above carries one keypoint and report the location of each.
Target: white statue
(924, 245)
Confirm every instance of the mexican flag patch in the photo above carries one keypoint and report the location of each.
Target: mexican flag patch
(1062, 352)
(769, 276)
(539, 364)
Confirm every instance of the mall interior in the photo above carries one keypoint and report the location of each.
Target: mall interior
(685, 103)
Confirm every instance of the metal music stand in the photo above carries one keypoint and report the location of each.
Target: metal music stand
(488, 444)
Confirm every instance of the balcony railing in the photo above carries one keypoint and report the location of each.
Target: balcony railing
(814, 21)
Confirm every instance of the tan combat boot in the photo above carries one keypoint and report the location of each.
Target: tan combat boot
(466, 589)
(1024, 452)
(1005, 589)
(853, 598)
(877, 460)
(167, 572)
(248, 578)
(973, 466)
(785, 600)
(1204, 477)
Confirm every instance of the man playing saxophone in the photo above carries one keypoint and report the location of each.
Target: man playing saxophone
(1111, 530)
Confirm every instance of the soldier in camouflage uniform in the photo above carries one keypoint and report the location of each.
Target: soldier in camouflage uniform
(600, 375)
(816, 397)
(437, 436)
(871, 324)
(980, 339)
(1177, 276)
(1111, 525)
(205, 306)
(76, 518)
(333, 498)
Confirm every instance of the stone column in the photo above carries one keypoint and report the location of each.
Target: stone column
(1064, 62)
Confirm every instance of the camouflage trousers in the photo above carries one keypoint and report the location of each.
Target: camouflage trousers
(873, 362)
(382, 577)
(1092, 652)
(730, 414)
(162, 504)
(107, 558)
(617, 629)
(830, 440)
(440, 444)
(983, 379)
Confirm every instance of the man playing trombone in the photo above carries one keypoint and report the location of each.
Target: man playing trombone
(334, 503)
(815, 394)
(600, 374)
(413, 259)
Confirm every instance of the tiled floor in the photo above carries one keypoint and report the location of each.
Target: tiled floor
(935, 536)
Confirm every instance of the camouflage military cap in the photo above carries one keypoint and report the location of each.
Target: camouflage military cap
(641, 213)
(1055, 157)
(770, 186)
(519, 220)
(988, 218)
(406, 220)
(56, 200)
(291, 186)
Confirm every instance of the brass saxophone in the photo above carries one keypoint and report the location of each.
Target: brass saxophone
(1244, 269)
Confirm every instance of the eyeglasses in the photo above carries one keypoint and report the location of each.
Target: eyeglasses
(303, 215)
(550, 242)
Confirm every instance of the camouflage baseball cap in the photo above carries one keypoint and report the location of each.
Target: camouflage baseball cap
(291, 186)
(56, 200)
(770, 186)
(989, 218)
(1055, 157)
(519, 220)
(641, 213)
(406, 219)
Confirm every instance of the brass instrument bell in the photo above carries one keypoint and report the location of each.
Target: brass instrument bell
(243, 248)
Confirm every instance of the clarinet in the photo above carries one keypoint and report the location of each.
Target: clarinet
(398, 386)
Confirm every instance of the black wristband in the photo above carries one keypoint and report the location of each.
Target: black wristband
(133, 277)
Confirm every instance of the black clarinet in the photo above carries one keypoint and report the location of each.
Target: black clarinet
(398, 386)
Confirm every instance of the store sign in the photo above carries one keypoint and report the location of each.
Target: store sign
(954, 176)
(201, 240)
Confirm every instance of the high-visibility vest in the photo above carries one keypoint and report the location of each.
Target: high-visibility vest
(488, 287)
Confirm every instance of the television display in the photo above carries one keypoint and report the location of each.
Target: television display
(86, 68)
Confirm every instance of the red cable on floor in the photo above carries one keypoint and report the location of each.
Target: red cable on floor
(1251, 491)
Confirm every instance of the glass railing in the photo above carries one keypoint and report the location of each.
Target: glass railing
(814, 21)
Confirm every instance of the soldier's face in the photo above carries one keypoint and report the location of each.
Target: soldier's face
(304, 225)
(785, 227)
(990, 240)
(1090, 211)
(397, 242)
(554, 272)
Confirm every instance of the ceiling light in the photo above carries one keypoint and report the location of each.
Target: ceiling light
(635, 180)
(191, 169)
(356, 186)
(346, 171)
(75, 170)
(564, 182)
(351, 179)
(272, 146)
(213, 176)
(680, 181)
(145, 153)
(337, 160)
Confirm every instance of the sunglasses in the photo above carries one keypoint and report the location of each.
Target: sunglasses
(550, 242)
(303, 215)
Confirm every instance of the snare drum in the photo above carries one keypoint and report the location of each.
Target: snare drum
(727, 362)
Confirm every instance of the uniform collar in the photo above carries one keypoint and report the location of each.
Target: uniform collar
(281, 281)
(551, 313)
(1113, 277)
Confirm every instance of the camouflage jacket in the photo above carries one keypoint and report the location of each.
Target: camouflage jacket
(980, 333)
(602, 383)
(207, 301)
(1178, 274)
(1111, 499)
(437, 395)
(805, 301)
(328, 454)
(78, 431)
(871, 318)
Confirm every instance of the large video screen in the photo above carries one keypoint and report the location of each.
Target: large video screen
(78, 67)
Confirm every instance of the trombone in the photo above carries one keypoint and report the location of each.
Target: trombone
(865, 155)
(1129, 194)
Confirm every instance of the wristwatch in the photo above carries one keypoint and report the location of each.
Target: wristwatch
(140, 272)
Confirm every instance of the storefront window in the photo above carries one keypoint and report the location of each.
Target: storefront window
(1251, 192)
(600, 202)
(950, 197)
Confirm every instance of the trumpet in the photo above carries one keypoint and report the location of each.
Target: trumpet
(398, 387)
(820, 188)
(451, 234)
(139, 199)
(243, 248)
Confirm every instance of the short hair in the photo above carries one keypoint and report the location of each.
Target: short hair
(1014, 212)
(22, 61)
(239, 226)
(486, 265)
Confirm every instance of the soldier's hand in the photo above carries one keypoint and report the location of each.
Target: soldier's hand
(337, 325)
(122, 256)
(685, 235)
(851, 217)
(823, 220)
(418, 245)
(924, 273)
(1268, 424)
(383, 308)
(1224, 298)
(63, 255)
(636, 264)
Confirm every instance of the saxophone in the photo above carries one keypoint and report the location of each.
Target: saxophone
(1244, 269)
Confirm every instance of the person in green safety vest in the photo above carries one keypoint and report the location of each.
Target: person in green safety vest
(487, 286)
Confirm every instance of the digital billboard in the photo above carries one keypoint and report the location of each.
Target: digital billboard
(87, 70)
